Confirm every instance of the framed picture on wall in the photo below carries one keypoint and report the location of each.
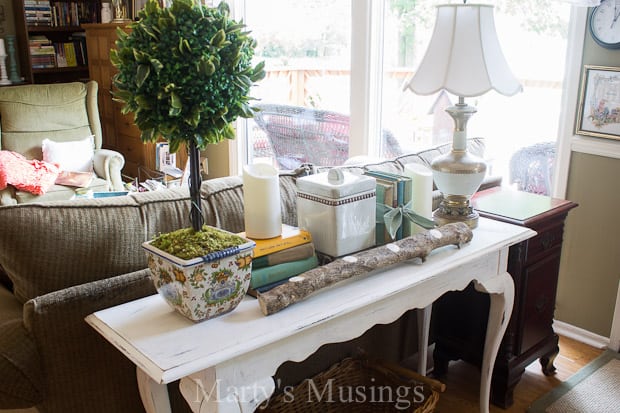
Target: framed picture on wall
(599, 103)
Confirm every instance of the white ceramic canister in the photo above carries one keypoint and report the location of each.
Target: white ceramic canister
(338, 209)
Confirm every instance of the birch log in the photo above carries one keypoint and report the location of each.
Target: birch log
(416, 246)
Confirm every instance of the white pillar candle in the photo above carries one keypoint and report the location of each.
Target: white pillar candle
(2, 49)
(422, 194)
(261, 201)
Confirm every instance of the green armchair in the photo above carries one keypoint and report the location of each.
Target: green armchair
(60, 112)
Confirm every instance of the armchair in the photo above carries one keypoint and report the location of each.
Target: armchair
(304, 135)
(61, 112)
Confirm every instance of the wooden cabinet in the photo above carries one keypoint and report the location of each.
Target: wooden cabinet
(62, 27)
(534, 265)
(119, 131)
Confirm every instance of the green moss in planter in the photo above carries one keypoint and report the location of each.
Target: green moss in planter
(186, 243)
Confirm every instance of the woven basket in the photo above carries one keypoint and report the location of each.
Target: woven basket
(359, 385)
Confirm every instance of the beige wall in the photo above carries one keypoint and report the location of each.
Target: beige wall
(590, 266)
(218, 157)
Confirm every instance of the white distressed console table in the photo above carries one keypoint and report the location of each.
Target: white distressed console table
(226, 364)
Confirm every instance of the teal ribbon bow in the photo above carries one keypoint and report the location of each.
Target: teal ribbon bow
(393, 217)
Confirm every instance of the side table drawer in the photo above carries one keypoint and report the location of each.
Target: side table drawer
(544, 243)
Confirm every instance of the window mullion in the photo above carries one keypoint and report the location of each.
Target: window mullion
(365, 76)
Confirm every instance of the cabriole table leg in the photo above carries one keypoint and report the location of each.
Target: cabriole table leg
(154, 395)
(501, 291)
(204, 392)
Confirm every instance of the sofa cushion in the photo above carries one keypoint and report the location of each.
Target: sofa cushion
(20, 363)
(49, 246)
(46, 247)
(59, 192)
(164, 211)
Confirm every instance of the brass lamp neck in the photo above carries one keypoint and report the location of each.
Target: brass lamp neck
(461, 112)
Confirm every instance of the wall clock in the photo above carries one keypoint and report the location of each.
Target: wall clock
(604, 24)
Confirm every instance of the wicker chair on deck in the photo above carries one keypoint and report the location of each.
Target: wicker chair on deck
(531, 168)
(305, 135)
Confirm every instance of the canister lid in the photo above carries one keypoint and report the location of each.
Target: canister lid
(335, 184)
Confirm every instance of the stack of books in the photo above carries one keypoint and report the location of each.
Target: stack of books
(38, 12)
(42, 52)
(280, 258)
(393, 190)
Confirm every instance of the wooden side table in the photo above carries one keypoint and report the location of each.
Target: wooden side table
(534, 265)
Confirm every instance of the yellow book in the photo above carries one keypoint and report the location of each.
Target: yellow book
(70, 54)
(290, 237)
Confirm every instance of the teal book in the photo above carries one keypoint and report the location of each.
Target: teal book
(385, 190)
(404, 192)
(273, 273)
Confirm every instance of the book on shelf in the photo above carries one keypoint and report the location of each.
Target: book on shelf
(163, 157)
(70, 54)
(291, 236)
(278, 272)
(61, 58)
(295, 253)
(79, 42)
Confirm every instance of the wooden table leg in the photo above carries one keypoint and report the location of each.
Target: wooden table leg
(154, 395)
(501, 291)
(424, 326)
(205, 393)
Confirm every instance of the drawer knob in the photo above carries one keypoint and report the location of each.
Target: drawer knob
(547, 240)
(541, 303)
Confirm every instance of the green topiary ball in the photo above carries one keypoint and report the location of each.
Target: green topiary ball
(185, 72)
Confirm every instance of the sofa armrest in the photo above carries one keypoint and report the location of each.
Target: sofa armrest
(108, 165)
(83, 371)
(21, 383)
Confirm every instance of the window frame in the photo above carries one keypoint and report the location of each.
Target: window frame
(366, 83)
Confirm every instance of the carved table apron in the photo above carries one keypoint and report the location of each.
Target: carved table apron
(226, 364)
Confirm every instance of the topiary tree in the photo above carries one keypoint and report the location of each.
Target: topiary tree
(185, 72)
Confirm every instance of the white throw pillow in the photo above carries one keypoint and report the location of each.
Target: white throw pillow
(72, 156)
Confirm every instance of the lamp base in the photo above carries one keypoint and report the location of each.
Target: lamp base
(456, 209)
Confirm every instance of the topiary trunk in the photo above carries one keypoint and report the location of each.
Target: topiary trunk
(194, 187)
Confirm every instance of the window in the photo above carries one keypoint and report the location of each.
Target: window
(308, 50)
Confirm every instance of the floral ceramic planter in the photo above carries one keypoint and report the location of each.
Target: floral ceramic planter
(205, 287)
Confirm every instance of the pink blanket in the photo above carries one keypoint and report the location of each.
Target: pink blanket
(33, 176)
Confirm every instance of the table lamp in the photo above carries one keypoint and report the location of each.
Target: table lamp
(464, 58)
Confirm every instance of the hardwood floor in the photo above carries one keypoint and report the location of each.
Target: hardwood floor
(463, 380)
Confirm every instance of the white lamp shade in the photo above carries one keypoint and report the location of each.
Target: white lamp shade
(464, 56)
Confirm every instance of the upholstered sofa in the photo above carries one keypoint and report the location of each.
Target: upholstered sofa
(63, 113)
(63, 260)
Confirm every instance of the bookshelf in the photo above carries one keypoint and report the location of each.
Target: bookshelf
(51, 43)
